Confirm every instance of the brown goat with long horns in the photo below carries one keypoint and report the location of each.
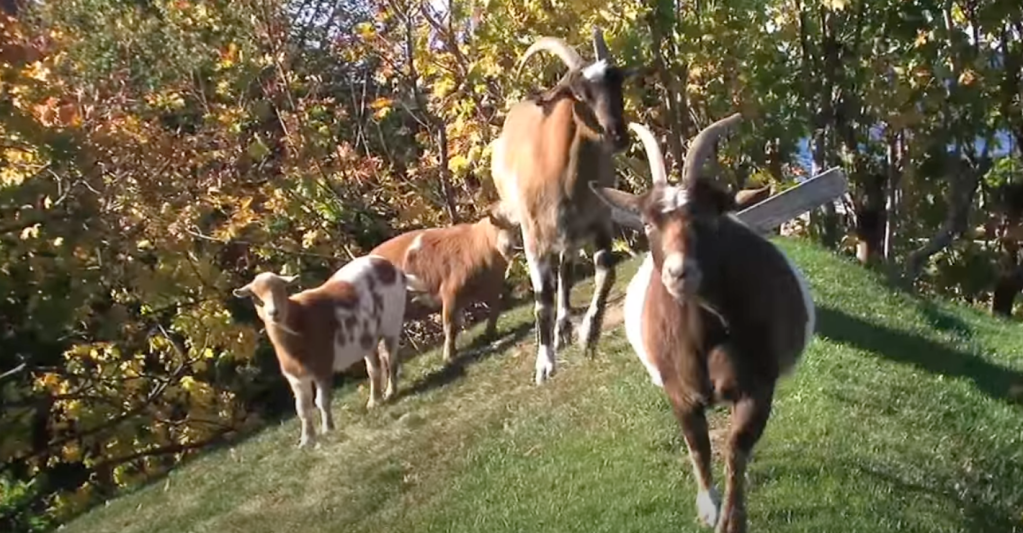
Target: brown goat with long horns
(550, 148)
(716, 313)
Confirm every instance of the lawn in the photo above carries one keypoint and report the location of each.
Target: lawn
(904, 415)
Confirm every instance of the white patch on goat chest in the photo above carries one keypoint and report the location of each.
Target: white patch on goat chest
(505, 180)
(635, 303)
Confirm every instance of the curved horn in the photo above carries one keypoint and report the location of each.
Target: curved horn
(653, 153)
(599, 46)
(702, 144)
(556, 46)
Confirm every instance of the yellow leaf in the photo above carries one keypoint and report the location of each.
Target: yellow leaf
(967, 77)
(30, 232)
(383, 101)
(458, 163)
(921, 38)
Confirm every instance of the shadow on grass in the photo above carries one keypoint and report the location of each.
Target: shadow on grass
(980, 516)
(479, 350)
(994, 380)
(972, 499)
(942, 320)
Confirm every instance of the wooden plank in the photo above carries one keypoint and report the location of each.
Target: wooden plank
(814, 192)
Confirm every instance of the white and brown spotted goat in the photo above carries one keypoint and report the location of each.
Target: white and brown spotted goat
(327, 329)
(716, 313)
(456, 266)
(550, 148)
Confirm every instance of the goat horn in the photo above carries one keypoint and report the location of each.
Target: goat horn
(653, 153)
(599, 46)
(702, 144)
(556, 46)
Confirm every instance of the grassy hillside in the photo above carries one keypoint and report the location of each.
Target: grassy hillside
(903, 416)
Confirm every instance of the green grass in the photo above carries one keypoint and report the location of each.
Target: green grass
(904, 415)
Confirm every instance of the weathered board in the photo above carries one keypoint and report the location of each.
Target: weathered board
(780, 208)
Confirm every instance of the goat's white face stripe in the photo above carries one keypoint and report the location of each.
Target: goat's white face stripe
(674, 198)
(674, 264)
(269, 306)
(596, 71)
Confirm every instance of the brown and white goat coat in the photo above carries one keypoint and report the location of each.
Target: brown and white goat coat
(327, 329)
(549, 150)
(716, 313)
(455, 266)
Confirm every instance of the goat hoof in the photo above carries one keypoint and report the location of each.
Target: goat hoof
(587, 334)
(707, 503)
(733, 521)
(305, 443)
(563, 333)
(544, 372)
(544, 364)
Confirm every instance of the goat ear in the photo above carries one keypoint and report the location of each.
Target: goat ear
(288, 280)
(710, 198)
(750, 197)
(635, 71)
(625, 207)
(243, 292)
(578, 85)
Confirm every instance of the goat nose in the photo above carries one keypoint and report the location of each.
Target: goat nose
(677, 270)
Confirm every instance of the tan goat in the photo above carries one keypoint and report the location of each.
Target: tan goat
(455, 266)
(324, 330)
(550, 148)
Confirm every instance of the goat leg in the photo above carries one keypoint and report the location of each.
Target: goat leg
(389, 357)
(302, 389)
(451, 316)
(603, 261)
(690, 412)
(543, 294)
(373, 370)
(495, 304)
(749, 418)
(323, 394)
(563, 327)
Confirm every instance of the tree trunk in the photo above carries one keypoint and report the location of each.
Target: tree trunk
(870, 219)
(669, 81)
(893, 192)
(445, 173)
(1007, 287)
(964, 187)
(826, 218)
